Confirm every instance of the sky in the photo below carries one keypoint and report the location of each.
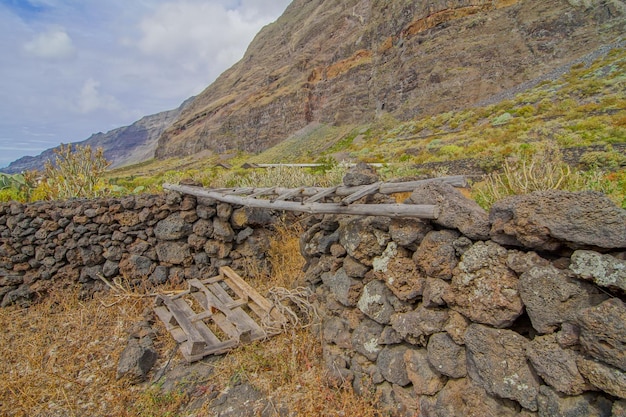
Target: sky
(71, 68)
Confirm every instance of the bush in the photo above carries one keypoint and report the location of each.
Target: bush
(75, 172)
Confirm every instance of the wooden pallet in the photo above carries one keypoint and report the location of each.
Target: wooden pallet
(216, 314)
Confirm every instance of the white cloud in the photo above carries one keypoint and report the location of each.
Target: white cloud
(92, 99)
(53, 44)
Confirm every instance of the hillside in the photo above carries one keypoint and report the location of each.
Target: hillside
(341, 63)
(122, 146)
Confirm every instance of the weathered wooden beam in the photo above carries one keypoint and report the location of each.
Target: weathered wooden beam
(388, 210)
(370, 189)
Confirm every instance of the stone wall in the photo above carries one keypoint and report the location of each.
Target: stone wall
(146, 239)
(519, 311)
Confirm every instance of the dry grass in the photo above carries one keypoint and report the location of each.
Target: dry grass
(60, 355)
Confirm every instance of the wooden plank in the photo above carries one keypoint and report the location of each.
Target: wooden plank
(218, 318)
(261, 301)
(166, 317)
(178, 308)
(387, 210)
(322, 194)
(370, 189)
(262, 191)
(290, 194)
(242, 321)
(211, 299)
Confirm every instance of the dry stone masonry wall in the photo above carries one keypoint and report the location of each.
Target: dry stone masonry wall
(143, 239)
(519, 311)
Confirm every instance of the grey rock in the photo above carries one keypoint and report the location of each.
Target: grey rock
(136, 267)
(361, 240)
(361, 174)
(346, 290)
(434, 290)
(175, 253)
(425, 378)
(159, 276)
(484, 288)
(337, 330)
(456, 211)
(203, 228)
(446, 357)
(604, 270)
(137, 359)
(408, 232)
(354, 268)
(521, 262)
(392, 365)
(366, 339)
(547, 220)
(222, 230)
(251, 217)
(21, 296)
(172, 227)
(375, 302)
(553, 404)
(496, 361)
(556, 366)
(415, 326)
(552, 297)
(110, 268)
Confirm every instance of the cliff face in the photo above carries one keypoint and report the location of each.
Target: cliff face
(122, 146)
(342, 62)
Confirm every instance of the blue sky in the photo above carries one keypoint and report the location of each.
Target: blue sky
(70, 68)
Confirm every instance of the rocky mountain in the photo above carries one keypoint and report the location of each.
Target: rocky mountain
(346, 62)
(122, 146)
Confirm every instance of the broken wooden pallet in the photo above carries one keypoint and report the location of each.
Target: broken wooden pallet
(217, 314)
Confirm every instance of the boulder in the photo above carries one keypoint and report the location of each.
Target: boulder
(604, 270)
(136, 360)
(434, 290)
(426, 380)
(484, 288)
(337, 330)
(415, 326)
(603, 332)
(249, 216)
(551, 403)
(136, 267)
(603, 377)
(552, 297)
(547, 220)
(222, 230)
(436, 255)
(392, 365)
(345, 289)
(496, 361)
(456, 210)
(556, 366)
(446, 357)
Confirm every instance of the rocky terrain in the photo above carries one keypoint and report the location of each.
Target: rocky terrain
(340, 63)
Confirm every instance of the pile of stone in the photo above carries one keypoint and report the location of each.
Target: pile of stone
(519, 311)
(144, 239)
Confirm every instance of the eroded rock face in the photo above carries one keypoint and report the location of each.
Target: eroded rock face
(496, 361)
(552, 297)
(426, 379)
(392, 365)
(484, 288)
(376, 302)
(603, 332)
(347, 290)
(547, 220)
(362, 241)
(446, 357)
(603, 376)
(415, 326)
(436, 255)
(399, 272)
